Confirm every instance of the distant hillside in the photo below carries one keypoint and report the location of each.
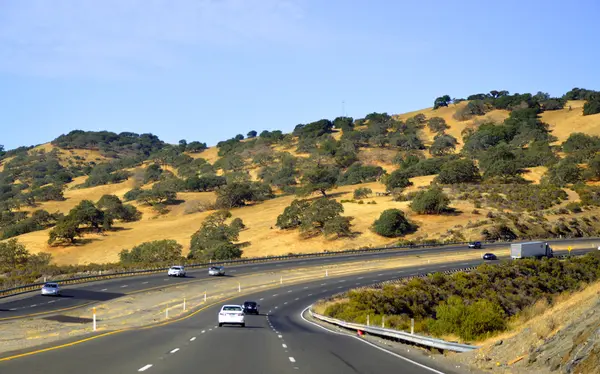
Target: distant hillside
(489, 166)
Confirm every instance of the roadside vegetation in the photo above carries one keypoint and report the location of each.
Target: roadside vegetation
(473, 305)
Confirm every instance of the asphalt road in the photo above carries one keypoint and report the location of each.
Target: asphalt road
(277, 341)
(33, 304)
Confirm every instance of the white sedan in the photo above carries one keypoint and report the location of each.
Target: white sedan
(232, 314)
(176, 271)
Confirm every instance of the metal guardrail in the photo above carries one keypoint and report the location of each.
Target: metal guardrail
(96, 277)
(398, 335)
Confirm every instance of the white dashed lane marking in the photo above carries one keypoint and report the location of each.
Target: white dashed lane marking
(104, 289)
(145, 367)
(284, 346)
(192, 339)
(174, 350)
(144, 282)
(261, 299)
(360, 278)
(279, 336)
(123, 286)
(203, 331)
(292, 359)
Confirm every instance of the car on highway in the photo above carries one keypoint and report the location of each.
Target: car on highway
(232, 315)
(489, 256)
(475, 245)
(216, 270)
(176, 271)
(250, 307)
(51, 289)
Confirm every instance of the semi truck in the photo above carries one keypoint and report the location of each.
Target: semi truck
(530, 249)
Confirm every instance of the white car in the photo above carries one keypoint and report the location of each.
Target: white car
(51, 289)
(176, 271)
(232, 314)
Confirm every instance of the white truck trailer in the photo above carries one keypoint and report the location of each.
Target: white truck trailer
(530, 249)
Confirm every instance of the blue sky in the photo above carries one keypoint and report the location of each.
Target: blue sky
(209, 69)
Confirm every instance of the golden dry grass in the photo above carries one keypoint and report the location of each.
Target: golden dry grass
(263, 236)
(564, 122)
(535, 174)
(65, 155)
(545, 319)
(456, 127)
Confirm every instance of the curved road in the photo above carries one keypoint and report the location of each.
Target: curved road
(33, 304)
(277, 341)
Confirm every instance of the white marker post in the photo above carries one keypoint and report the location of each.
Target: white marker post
(239, 287)
(368, 320)
(204, 296)
(326, 273)
(412, 326)
(382, 322)
(167, 312)
(281, 280)
(94, 319)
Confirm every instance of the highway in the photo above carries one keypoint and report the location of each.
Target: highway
(33, 304)
(277, 341)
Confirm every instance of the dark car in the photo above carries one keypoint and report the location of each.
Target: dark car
(489, 256)
(476, 245)
(250, 307)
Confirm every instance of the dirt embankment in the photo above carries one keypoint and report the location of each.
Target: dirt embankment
(563, 338)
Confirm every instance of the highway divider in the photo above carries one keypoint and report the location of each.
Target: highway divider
(104, 276)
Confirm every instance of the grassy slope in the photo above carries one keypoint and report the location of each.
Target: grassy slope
(264, 237)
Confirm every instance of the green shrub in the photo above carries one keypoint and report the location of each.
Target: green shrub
(362, 192)
(574, 207)
(392, 223)
(474, 305)
(431, 201)
(158, 251)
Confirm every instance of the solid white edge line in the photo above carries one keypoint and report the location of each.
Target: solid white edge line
(369, 343)
(145, 367)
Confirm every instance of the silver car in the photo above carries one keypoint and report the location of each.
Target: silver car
(216, 270)
(51, 289)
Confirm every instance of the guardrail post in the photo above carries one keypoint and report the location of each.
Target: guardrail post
(94, 319)
(204, 295)
(412, 326)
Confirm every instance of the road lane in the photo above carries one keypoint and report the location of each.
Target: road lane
(88, 293)
(127, 352)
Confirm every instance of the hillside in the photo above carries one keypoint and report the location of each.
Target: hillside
(182, 182)
(562, 337)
